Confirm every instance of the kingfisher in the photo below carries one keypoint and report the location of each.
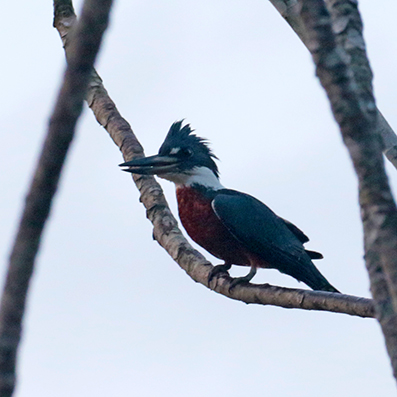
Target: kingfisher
(232, 226)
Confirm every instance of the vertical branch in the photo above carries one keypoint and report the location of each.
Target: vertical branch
(84, 47)
(347, 27)
(354, 109)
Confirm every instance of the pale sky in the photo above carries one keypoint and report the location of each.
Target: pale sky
(110, 313)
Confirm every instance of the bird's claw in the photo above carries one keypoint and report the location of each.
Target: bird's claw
(218, 270)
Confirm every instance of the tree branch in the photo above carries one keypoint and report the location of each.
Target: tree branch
(353, 106)
(168, 235)
(82, 52)
(348, 31)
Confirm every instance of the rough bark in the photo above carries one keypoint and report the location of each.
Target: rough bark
(348, 31)
(354, 109)
(83, 49)
(168, 235)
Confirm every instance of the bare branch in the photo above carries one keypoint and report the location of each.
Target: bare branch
(348, 31)
(83, 49)
(354, 109)
(168, 235)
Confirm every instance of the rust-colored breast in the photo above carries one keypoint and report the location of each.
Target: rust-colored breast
(205, 228)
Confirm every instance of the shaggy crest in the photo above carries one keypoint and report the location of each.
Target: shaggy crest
(184, 140)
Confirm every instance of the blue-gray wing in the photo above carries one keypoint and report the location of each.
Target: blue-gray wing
(302, 238)
(258, 228)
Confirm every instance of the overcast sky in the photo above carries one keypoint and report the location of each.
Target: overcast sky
(110, 313)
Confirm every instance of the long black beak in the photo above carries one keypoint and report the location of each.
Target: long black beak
(152, 165)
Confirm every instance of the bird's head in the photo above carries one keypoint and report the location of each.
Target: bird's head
(183, 158)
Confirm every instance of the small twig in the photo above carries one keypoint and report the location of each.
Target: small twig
(82, 52)
(169, 236)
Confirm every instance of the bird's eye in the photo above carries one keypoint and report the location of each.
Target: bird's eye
(185, 152)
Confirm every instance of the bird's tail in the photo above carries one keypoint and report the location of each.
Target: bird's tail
(316, 281)
(310, 275)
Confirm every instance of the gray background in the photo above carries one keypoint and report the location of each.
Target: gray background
(109, 312)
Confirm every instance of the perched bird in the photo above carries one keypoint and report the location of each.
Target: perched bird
(232, 226)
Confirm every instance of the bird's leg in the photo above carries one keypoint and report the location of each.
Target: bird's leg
(217, 270)
(243, 280)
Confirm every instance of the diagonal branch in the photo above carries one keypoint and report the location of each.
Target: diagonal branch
(354, 109)
(168, 235)
(84, 46)
(348, 31)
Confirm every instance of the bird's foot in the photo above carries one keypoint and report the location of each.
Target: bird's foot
(218, 270)
(243, 280)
